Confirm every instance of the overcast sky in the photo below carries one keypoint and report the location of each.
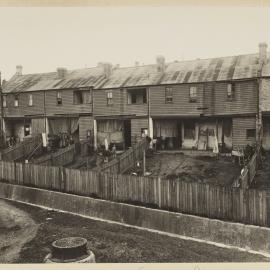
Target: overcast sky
(42, 39)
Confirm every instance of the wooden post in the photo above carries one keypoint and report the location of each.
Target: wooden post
(159, 192)
(143, 162)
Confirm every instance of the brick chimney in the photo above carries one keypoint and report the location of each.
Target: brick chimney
(160, 61)
(19, 70)
(106, 68)
(61, 72)
(262, 53)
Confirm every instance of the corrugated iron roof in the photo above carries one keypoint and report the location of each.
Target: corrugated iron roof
(193, 71)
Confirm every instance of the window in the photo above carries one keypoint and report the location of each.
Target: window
(4, 101)
(251, 133)
(137, 96)
(16, 101)
(59, 98)
(230, 91)
(193, 94)
(81, 97)
(30, 100)
(109, 98)
(189, 130)
(168, 95)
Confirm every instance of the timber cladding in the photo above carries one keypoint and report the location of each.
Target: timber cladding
(265, 95)
(67, 107)
(85, 123)
(235, 234)
(23, 107)
(180, 104)
(243, 131)
(244, 101)
(119, 104)
(137, 124)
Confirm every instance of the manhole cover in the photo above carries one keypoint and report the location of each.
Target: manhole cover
(70, 249)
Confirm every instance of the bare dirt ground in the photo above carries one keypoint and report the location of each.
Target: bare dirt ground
(199, 169)
(16, 229)
(38, 228)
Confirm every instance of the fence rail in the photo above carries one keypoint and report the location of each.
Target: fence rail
(126, 160)
(21, 150)
(61, 158)
(234, 204)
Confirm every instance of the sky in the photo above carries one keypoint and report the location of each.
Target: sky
(42, 39)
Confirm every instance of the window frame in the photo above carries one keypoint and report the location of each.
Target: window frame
(30, 99)
(59, 98)
(4, 101)
(82, 91)
(134, 92)
(16, 98)
(192, 97)
(231, 97)
(168, 97)
(109, 97)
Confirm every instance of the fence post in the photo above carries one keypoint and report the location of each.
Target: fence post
(159, 192)
(61, 178)
(15, 174)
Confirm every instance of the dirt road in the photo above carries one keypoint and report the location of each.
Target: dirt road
(110, 242)
(16, 229)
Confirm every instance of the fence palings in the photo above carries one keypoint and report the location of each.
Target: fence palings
(226, 203)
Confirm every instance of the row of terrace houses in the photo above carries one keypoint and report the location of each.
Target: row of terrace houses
(182, 104)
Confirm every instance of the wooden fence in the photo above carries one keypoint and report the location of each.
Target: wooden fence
(60, 158)
(22, 149)
(225, 203)
(249, 171)
(126, 161)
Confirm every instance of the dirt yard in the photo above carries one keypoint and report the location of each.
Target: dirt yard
(27, 233)
(200, 169)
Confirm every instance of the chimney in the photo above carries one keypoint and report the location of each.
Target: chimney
(160, 60)
(262, 53)
(19, 70)
(61, 72)
(107, 69)
(137, 63)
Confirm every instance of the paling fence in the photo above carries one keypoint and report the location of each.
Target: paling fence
(248, 206)
(249, 172)
(60, 158)
(127, 160)
(22, 149)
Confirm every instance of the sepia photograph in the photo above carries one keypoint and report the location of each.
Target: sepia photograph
(134, 133)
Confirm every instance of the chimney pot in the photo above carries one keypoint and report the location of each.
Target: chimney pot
(19, 70)
(262, 52)
(160, 60)
(61, 72)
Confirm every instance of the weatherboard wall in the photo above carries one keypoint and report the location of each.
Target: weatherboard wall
(67, 107)
(24, 109)
(119, 106)
(181, 105)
